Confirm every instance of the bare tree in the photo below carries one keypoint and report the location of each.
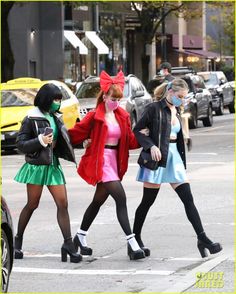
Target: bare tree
(151, 16)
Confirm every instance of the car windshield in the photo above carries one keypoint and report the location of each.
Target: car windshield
(210, 79)
(88, 90)
(91, 90)
(19, 97)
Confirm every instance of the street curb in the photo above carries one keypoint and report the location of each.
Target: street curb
(190, 279)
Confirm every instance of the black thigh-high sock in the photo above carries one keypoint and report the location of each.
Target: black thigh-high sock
(149, 196)
(186, 197)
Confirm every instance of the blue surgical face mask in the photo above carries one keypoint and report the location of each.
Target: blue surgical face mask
(176, 101)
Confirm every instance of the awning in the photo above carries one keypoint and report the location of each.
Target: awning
(97, 42)
(75, 42)
(203, 53)
(200, 53)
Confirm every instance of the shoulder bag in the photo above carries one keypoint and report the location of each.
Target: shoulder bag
(145, 158)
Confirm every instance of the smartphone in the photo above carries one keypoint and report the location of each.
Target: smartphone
(48, 131)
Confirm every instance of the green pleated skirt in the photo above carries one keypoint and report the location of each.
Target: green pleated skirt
(41, 174)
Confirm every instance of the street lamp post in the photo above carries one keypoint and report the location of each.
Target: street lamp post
(163, 37)
(96, 29)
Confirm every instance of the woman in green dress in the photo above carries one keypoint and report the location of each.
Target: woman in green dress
(43, 138)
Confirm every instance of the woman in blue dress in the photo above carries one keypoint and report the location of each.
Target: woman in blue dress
(162, 118)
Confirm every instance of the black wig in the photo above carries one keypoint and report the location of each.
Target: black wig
(45, 96)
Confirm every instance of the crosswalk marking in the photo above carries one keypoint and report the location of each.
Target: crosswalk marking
(91, 272)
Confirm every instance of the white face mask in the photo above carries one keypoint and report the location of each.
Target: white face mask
(161, 72)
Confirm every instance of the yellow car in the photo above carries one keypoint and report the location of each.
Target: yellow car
(17, 98)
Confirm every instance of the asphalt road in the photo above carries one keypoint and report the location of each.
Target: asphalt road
(175, 262)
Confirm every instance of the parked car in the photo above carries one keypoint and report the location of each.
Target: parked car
(18, 98)
(221, 90)
(200, 105)
(7, 244)
(134, 100)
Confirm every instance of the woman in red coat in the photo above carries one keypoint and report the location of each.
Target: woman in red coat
(106, 158)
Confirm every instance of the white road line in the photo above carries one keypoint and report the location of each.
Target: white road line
(134, 164)
(191, 278)
(31, 255)
(192, 153)
(90, 272)
(193, 163)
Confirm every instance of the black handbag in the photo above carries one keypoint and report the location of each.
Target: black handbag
(145, 158)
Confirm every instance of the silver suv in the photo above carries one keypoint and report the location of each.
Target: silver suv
(221, 90)
(134, 100)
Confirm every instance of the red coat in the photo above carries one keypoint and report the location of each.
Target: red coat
(93, 126)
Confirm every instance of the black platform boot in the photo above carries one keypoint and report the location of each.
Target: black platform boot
(18, 245)
(84, 250)
(146, 250)
(204, 243)
(134, 255)
(69, 248)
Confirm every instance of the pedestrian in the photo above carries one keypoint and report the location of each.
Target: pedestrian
(106, 158)
(166, 72)
(43, 138)
(165, 145)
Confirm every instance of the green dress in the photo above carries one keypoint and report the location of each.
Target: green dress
(43, 174)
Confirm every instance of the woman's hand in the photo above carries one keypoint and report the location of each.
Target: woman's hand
(155, 153)
(87, 143)
(145, 132)
(47, 139)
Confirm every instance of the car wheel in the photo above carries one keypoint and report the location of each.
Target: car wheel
(193, 121)
(220, 109)
(133, 120)
(6, 261)
(208, 121)
(231, 107)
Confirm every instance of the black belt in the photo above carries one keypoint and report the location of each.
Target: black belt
(111, 146)
(173, 140)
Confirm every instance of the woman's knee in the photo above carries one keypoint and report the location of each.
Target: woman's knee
(32, 205)
(63, 204)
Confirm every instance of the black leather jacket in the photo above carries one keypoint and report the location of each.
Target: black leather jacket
(29, 144)
(150, 119)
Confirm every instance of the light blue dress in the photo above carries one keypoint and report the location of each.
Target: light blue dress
(174, 172)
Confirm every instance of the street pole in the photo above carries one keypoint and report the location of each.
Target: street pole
(96, 29)
(163, 37)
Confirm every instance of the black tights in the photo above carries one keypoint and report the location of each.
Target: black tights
(103, 190)
(149, 196)
(186, 197)
(34, 193)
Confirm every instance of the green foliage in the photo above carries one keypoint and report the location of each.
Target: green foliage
(224, 18)
(152, 14)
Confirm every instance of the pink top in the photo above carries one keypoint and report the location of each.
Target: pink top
(113, 134)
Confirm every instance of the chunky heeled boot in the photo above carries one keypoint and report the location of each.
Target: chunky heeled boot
(146, 250)
(135, 254)
(69, 248)
(134, 250)
(84, 250)
(204, 243)
(18, 245)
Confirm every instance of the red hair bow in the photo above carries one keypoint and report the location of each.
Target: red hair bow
(106, 81)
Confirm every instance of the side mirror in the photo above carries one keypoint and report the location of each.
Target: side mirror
(222, 82)
(139, 93)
